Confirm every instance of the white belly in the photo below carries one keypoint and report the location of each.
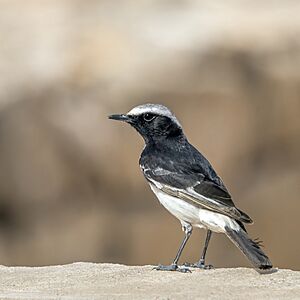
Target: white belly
(193, 215)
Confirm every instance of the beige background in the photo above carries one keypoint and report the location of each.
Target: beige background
(70, 185)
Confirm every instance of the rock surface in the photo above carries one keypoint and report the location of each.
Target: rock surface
(101, 281)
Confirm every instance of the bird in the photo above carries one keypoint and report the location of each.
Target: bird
(186, 184)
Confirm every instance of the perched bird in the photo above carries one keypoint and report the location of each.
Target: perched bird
(186, 184)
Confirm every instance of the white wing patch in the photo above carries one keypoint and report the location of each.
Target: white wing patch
(161, 172)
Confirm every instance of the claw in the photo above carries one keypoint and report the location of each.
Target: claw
(199, 265)
(172, 267)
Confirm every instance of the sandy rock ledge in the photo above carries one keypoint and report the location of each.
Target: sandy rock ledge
(103, 281)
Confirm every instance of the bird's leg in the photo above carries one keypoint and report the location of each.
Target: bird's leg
(201, 263)
(174, 267)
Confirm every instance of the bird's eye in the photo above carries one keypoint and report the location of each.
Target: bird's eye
(149, 117)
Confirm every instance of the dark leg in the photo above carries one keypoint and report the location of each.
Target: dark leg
(201, 263)
(174, 267)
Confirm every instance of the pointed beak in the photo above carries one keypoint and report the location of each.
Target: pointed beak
(120, 117)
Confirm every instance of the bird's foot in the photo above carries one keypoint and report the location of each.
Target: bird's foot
(172, 267)
(199, 265)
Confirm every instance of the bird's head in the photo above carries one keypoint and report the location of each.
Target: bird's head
(152, 121)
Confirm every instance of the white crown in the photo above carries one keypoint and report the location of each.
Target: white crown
(157, 109)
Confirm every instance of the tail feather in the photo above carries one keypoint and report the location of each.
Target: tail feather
(249, 247)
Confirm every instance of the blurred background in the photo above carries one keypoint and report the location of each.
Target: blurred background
(70, 184)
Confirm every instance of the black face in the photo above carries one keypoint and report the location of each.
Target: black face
(151, 126)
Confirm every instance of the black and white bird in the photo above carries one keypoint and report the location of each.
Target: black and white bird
(186, 184)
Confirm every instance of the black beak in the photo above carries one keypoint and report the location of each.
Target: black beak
(120, 117)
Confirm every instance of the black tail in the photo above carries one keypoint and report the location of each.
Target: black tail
(250, 248)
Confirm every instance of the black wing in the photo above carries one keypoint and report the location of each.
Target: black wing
(193, 184)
